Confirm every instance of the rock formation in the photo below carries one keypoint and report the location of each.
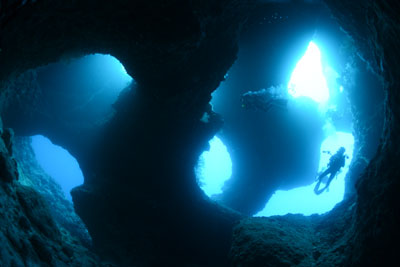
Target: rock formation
(29, 234)
(32, 175)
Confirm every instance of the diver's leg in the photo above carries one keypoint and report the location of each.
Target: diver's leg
(333, 174)
(325, 173)
(319, 179)
(318, 191)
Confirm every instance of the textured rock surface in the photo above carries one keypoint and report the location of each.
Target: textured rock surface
(366, 94)
(377, 215)
(32, 175)
(295, 240)
(28, 233)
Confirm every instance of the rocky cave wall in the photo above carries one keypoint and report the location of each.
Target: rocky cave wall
(29, 234)
(367, 97)
(146, 198)
(32, 175)
(377, 214)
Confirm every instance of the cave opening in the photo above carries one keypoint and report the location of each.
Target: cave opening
(214, 168)
(58, 163)
(280, 122)
(60, 100)
(48, 109)
(310, 79)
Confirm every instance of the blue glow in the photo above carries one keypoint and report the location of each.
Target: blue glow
(214, 168)
(57, 163)
(303, 199)
(308, 79)
(107, 67)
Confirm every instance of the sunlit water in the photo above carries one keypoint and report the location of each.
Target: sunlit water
(307, 80)
(214, 168)
(57, 163)
(303, 199)
(103, 71)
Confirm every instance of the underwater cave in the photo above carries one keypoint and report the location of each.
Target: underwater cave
(308, 114)
(198, 133)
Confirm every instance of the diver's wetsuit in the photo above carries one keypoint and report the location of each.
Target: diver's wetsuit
(336, 162)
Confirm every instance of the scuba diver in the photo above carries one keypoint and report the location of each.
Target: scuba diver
(336, 162)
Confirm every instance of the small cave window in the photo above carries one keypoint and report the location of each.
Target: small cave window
(214, 168)
(58, 163)
(52, 172)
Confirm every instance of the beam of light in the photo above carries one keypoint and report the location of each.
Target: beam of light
(214, 168)
(57, 163)
(307, 79)
(303, 200)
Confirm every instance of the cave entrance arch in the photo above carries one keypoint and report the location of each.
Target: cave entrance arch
(58, 163)
(60, 101)
(67, 102)
(314, 119)
(309, 80)
(214, 168)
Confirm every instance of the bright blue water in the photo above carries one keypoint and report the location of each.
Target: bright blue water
(98, 70)
(303, 200)
(309, 79)
(214, 168)
(58, 163)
